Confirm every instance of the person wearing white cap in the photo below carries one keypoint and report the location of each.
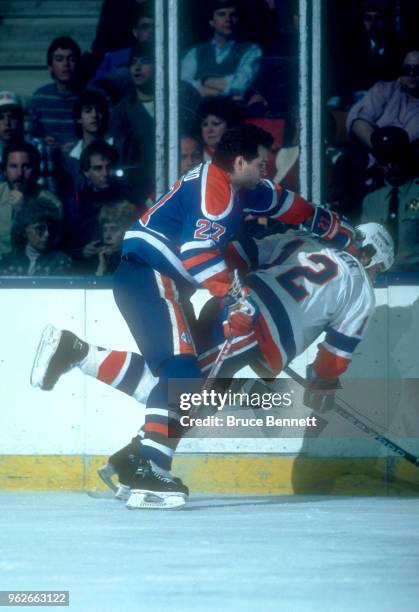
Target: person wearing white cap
(11, 119)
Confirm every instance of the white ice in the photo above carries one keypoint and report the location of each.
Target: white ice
(247, 554)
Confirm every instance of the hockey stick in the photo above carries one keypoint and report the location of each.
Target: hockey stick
(237, 290)
(346, 414)
(216, 366)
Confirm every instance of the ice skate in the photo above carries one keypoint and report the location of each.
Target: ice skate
(122, 464)
(121, 490)
(58, 352)
(152, 490)
(118, 486)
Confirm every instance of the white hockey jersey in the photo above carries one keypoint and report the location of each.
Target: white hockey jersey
(303, 289)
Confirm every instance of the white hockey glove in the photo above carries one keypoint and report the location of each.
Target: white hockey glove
(319, 394)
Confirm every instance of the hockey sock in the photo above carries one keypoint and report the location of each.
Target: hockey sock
(162, 428)
(122, 370)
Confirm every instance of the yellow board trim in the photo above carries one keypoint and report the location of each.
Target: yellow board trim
(244, 474)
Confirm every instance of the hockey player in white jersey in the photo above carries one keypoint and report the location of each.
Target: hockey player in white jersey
(302, 289)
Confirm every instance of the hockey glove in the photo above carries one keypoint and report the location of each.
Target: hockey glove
(329, 226)
(319, 394)
(240, 315)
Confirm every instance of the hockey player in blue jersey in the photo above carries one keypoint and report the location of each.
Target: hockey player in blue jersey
(302, 288)
(179, 245)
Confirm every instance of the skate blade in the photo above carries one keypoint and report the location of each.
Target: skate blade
(105, 473)
(149, 500)
(47, 346)
(122, 492)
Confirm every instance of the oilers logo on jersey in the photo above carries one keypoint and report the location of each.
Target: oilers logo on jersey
(185, 337)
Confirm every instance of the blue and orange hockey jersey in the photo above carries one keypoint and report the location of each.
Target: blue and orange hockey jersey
(185, 233)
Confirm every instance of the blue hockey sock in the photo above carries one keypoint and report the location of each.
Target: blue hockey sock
(162, 429)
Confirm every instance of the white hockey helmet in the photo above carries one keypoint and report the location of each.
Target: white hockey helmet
(377, 235)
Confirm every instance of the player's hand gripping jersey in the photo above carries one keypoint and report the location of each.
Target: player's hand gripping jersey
(303, 289)
(185, 233)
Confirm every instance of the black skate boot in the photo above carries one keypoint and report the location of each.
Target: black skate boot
(124, 464)
(57, 353)
(152, 490)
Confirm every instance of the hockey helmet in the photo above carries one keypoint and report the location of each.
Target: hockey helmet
(377, 235)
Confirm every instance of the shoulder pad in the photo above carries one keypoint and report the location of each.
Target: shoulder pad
(216, 193)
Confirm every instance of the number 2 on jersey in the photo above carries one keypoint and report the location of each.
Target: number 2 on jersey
(288, 280)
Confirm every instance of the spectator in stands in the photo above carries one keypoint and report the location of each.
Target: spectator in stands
(113, 220)
(396, 203)
(273, 25)
(344, 171)
(51, 107)
(20, 164)
(223, 65)
(12, 130)
(91, 120)
(132, 123)
(215, 116)
(11, 119)
(114, 30)
(285, 36)
(35, 235)
(389, 103)
(260, 21)
(98, 162)
(98, 186)
(190, 153)
(376, 53)
(113, 74)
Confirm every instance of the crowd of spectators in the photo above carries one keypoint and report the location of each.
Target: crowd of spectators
(383, 131)
(78, 157)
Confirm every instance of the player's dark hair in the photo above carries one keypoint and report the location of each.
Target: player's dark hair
(99, 147)
(63, 42)
(241, 140)
(22, 147)
(95, 99)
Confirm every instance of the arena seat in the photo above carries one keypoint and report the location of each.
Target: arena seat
(274, 125)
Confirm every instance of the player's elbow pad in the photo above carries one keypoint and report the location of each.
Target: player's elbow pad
(329, 226)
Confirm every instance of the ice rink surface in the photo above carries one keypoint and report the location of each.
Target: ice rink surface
(247, 554)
